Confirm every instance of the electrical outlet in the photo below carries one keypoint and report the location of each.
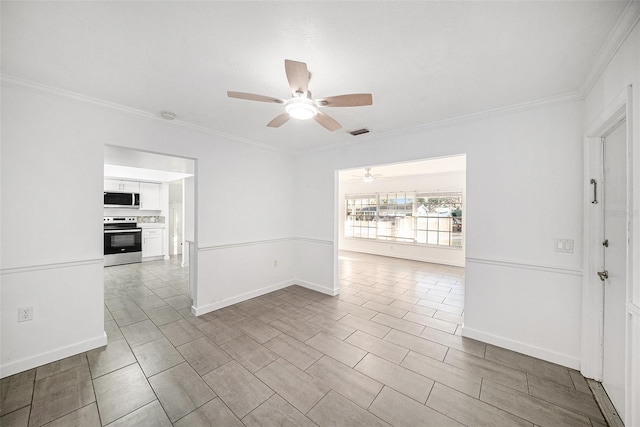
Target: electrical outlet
(25, 314)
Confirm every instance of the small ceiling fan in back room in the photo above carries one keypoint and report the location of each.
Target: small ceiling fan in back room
(301, 105)
(368, 176)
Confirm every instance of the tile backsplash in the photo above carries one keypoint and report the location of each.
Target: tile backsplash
(150, 219)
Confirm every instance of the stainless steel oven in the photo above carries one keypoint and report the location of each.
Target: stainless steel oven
(122, 241)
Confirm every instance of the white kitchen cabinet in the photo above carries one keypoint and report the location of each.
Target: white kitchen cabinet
(152, 242)
(121, 185)
(150, 196)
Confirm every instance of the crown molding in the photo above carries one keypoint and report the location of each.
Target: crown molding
(454, 121)
(618, 35)
(30, 86)
(626, 22)
(27, 85)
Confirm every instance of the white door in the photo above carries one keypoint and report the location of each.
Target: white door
(615, 263)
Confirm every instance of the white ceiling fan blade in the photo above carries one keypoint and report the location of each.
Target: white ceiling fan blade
(351, 100)
(279, 121)
(297, 75)
(253, 97)
(327, 122)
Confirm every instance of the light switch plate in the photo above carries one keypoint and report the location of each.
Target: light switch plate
(25, 314)
(563, 245)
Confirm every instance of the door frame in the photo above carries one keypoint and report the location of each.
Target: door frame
(592, 287)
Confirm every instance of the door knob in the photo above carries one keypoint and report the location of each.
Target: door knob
(603, 275)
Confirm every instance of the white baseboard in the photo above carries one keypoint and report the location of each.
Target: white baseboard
(408, 256)
(318, 288)
(520, 347)
(199, 311)
(52, 356)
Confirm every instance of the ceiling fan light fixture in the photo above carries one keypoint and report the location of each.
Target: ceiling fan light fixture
(368, 178)
(301, 108)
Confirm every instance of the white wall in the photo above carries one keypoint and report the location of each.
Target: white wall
(188, 193)
(52, 240)
(434, 182)
(189, 228)
(164, 202)
(130, 212)
(524, 173)
(52, 177)
(312, 258)
(243, 271)
(176, 202)
(622, 71)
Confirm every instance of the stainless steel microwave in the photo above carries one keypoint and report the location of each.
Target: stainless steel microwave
(121, 200)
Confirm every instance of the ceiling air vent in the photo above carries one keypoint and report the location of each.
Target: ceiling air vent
(359, 131)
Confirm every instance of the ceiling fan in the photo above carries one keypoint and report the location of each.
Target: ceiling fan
(368, 176)
(301, 105)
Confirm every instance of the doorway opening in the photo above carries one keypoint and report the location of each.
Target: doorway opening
(400, 239)
(166, 210)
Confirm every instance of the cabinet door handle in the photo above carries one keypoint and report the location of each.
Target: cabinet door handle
(595, 191)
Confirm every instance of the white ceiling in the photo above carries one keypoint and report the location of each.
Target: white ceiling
(423, 61)
(140, 174)
(139, 165)
(126, 157)
(423, 167)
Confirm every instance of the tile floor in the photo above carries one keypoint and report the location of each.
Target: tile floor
(387, 351)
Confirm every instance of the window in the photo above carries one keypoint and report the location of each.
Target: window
(418, 218)
(361, 216)
(439, 219)
(396, 217)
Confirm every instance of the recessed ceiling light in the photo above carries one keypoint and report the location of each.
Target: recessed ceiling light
(167, 115)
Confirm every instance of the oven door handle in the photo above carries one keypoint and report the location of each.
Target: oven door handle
(123, 231)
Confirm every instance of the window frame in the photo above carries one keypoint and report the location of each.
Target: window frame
(407, 208)
(449, 221)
